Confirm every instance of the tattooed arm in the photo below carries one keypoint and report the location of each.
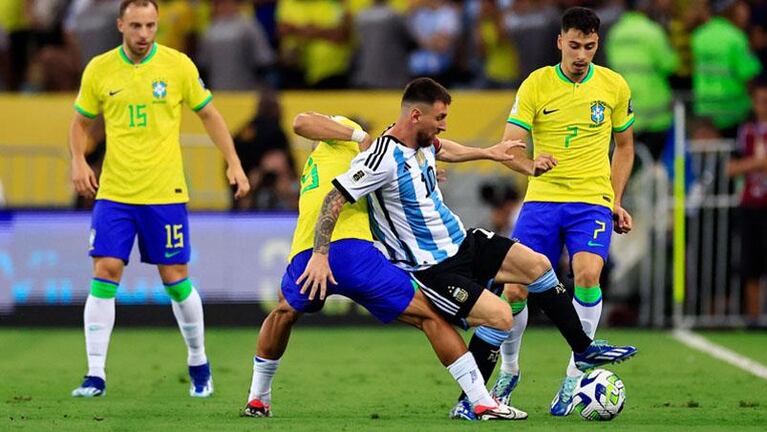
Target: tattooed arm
(318, 272)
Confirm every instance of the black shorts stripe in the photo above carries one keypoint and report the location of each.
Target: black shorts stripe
(439, 301)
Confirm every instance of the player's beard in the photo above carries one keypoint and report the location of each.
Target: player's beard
(577, 71)
(424, 139)
(136, 50)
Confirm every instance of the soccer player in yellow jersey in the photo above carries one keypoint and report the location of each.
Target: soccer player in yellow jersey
(572, 110)
(140, 87)
(361, 273)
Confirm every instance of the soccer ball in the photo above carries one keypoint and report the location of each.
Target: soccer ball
(599, 396)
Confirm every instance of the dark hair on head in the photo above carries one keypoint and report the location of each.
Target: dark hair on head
(125, 3)
(425, 90)
(498, 194)
(760, 82)
(580, 18)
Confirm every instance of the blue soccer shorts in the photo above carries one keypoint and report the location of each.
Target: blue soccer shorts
(162, 230)
(546, 227)
(363, 274)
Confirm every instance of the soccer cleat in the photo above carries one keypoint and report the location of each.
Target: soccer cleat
(92, 386)
(256, 408)
(504, 385)
(562, 405)
(462, 410)
(601, 353)
(499, 412)
(202, 381)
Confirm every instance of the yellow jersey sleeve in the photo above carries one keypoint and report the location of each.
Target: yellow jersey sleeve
(195, 95)
(87, 102)
(523, 112)
(623, 113)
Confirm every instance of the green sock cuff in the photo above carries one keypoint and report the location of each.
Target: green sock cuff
(588, 296)
(103, 288)
(517, 307)
(180, 290)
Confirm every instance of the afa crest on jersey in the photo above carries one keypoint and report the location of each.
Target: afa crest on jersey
(159, 89)
(597, 112)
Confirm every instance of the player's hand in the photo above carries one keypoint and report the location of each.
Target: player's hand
(500, 151)
(315, 276)
(622, 221)
(441, 175)
(366, 143)
(236, 176)
(83, 178)
(543, 164)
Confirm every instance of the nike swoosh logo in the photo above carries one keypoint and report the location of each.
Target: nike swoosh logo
(112, 93)
(547, 112)
(592, 244)
(171, 254)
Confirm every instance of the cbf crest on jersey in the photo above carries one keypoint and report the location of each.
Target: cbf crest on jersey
(159, 89)
(597, 112)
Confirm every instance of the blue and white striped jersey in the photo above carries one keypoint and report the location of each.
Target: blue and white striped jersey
(407, 213)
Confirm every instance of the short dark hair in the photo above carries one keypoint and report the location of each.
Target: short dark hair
(125, 3)
(758, 83)
(580, 18)
(425, 90)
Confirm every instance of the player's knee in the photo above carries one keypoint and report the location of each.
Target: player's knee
(107, 271)
(284, 312)
(545, 281)
(515, 293)
(539, 266)
(587, 278)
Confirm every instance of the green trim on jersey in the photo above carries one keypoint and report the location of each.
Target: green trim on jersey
(565, 78)
(626, 126)
(520, 123)
(203, 103)
(146, 59)
(83, 112)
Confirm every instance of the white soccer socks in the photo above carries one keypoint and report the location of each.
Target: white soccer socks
(187, 308)
(98, 322)
(588, 304)
(261, 383)
(511, 346)
(466, 373)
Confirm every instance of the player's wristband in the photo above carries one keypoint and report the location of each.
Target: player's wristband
(359, 135)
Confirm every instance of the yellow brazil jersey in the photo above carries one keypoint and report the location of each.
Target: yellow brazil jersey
(141, 104)
(329, 160)
(574, 122)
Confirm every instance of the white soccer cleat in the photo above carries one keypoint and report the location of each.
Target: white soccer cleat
(500, 412)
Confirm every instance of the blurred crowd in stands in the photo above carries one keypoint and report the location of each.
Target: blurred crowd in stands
(320, 44)
(707, 48)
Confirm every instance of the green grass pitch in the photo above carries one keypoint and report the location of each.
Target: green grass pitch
(352, 379)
